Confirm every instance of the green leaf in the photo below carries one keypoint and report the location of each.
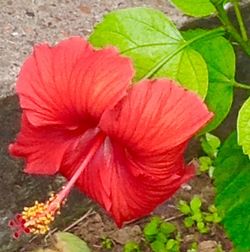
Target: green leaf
(210, 144)
(195, 204)
(202, 227)
(188, 222)
(155, 45)
(167, 228)
(243, 127)
(161, 237)
(197, 216)
(195, 8)
(209, 217)
(67, 242)
(212, 209)
(151, 229)
(221, 72)
(158, 246)
(131, 247)
(171, 244)
(205, 163)
(232, 180)
(184, 207)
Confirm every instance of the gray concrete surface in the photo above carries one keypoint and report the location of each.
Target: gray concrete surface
(26, 22)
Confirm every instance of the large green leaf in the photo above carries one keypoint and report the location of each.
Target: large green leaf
(196, 8)
(155, 46)
(243, 127)
(220, 58)
(232, 180)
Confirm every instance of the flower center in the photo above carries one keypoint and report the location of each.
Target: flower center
(37, 218)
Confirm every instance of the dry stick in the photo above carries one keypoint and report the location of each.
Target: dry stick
(87, 214)
(174, 217)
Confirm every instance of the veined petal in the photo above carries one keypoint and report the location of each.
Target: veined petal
(140, 164)
(121, 184)
(155, 116)
(43, 148)
(71, 83)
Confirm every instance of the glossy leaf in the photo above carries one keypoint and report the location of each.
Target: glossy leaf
(243, 127)
(232, 180)
(195, 8)
(155, 45)
(221, 72)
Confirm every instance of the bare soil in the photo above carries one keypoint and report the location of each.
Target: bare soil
(98, 226)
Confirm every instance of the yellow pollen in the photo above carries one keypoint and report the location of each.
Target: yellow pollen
(39, 217)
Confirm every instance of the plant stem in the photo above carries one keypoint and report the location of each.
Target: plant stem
(240, 19)
(222, 14)
(241, 85)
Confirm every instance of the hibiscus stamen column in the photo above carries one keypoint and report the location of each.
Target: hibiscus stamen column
(37, 218)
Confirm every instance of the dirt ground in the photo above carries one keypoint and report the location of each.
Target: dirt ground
(97, 226)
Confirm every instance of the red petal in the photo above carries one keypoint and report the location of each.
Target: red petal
(71, 83)
(121, 184)
(44, 148)
(140, 164)
(155, 116)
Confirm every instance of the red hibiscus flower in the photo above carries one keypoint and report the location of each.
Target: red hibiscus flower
(120, 144)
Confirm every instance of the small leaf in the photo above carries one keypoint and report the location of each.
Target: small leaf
(232, 180)
(131, 247)
(195, 204)
(202, 227)
(209, 217)
(243, 127)
(167, 228)
(210, 144)
(67, 242)
(158, 246)
(197, 216)
(205, 163)
(195, 8)
(152, 228)
(170, 244)
(161, 237)
(155, 45)
(221, 72)
(213, 141)
(212, 209)
(184, 207)
(188, 222)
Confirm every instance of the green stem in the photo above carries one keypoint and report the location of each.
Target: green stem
(241, 85)
(222, 14)
(240, 19)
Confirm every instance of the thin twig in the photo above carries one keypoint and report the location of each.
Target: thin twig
(174, 217)
(33, 238)
(87, 214)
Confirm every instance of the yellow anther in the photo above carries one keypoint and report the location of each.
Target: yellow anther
(39, 217)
